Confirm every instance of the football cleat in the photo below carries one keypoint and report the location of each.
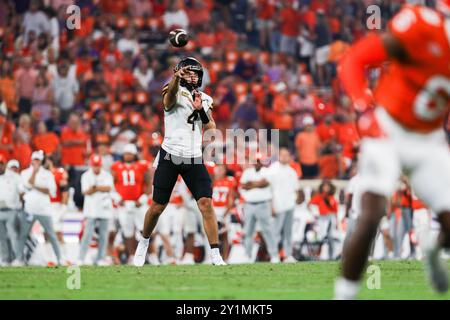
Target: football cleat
(217, 260)
(141, 252)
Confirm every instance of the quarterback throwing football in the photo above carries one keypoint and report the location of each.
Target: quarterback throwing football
(187, 111)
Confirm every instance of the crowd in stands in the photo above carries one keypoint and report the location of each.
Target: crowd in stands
(70, 91)
(268, 64)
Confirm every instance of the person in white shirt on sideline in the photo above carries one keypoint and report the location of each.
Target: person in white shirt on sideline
(97, 185)
(39, 185)
(285, 185)
(255, 190)
(14, 166)
(10, 186)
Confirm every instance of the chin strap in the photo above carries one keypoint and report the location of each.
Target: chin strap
(188, 86)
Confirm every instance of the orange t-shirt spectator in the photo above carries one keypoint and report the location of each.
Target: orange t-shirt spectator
(114, 6)
(8, 86)
(290, 20)
(6, 137)
(74, 143)
(282, 119)
(307, 144)
(327, 130)
(44, 140)
(331, 166)
(21, 140)
(348, 137)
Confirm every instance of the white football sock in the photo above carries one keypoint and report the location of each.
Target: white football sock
(145, 240)
(345, 289)
(215, 252)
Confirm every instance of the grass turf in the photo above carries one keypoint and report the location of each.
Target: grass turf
(304, 280)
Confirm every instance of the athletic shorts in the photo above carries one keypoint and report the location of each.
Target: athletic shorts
(192, 170)
(130, 218)
(423, 157)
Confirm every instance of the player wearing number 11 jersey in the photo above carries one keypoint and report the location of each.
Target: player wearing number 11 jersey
(132, 183)
(405, 117)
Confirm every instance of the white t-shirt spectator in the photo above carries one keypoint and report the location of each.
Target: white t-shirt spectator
(256, 194)
(54, 33)
(124, 45)
(35, 21)
(178, 18)
(53, 70)
(306, 45)
(65, 91)
(98, 204)
(11, 188)
(37, 202)
(284, 183)
(143, 78)
(122, 139)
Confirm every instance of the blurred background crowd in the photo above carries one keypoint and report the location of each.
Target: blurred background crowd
(95, 89)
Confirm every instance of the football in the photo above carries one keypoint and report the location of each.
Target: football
(178, 38)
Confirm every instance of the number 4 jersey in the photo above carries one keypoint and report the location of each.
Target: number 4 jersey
(182, 132)
(129, 179)
(416, 92)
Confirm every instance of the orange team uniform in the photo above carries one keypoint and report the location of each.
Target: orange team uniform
(130, 179)
(222, 191)
(413, 94)
(61, 178)
(416, 93)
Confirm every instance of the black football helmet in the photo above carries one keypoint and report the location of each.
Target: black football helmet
(193, 65)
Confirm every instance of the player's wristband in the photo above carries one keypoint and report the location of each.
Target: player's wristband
(203, 116)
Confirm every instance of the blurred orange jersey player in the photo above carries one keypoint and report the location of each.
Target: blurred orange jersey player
(130, 179)
(132, 183)
(416, 91)
(404, 125)
(222, 191)
(61, 180)
(415, 86)
(224, 188)
(58, 205)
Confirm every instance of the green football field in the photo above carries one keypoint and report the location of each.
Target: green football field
(304, 280)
